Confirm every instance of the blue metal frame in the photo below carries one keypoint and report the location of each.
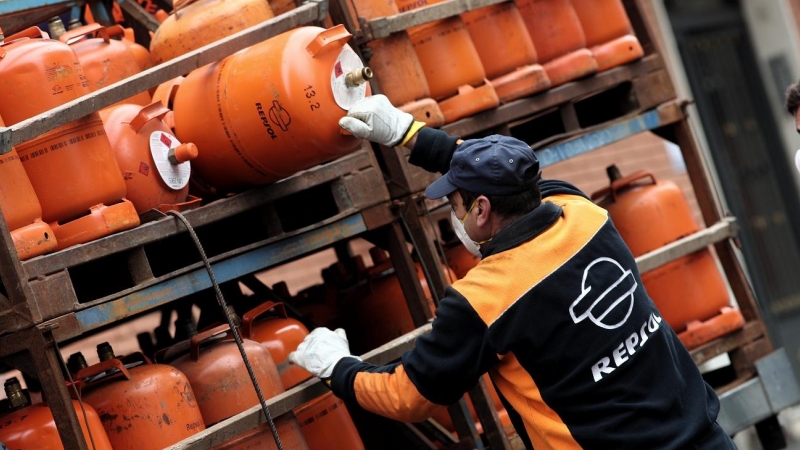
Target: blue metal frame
(17, 6)
(594, 140)
(229, 269)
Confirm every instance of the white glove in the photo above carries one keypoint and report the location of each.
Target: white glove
(321, 350)
(376, 119)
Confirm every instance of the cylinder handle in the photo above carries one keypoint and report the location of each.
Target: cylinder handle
(624, 182)
(332, 38)
(251, 316)
(93, 28)
(29, 33)
(199, 338)
(155, 110)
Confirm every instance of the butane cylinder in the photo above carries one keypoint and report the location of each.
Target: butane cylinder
(33, 427)
(21, 209)
(608, 32)
(104, 60)
(195, 23)
(143, 406)
(324, 421)
(220, 379)
(559, 40)
(72, 168)
(155, 164)
(506, 50)
(272, 109)
(396, 66)
(648, 215)
(453, 68)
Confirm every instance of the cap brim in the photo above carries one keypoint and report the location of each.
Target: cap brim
(440, 188)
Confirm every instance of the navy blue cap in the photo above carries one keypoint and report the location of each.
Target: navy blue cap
(494, 165)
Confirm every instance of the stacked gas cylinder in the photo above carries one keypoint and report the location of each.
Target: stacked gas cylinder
(133, 402)
(452, 68)
(95, 176)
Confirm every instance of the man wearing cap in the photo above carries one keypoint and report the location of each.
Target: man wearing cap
(555, 311)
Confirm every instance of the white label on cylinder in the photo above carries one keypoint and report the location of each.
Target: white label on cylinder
(175, 176)
(347, 62)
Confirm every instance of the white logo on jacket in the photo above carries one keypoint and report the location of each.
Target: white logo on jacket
(609, 303)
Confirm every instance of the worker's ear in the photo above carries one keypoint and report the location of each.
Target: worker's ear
(482, 210)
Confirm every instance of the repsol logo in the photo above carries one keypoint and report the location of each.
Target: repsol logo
(630, 345)
(265, 121)
(413, 5)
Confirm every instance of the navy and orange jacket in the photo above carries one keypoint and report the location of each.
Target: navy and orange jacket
(557, 314)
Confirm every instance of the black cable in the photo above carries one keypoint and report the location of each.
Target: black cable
(236, 336)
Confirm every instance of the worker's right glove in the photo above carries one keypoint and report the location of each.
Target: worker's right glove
(376, 119)
(321, 350)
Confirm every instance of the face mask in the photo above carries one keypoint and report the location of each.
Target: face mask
(458, 227)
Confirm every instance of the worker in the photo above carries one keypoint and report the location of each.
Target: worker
(793, 107)
(555, 311)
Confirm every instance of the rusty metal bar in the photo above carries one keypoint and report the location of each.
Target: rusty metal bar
(486, 412)
(407, 276)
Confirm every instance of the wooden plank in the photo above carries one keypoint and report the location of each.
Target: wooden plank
(382, 27)
(292, 398)
(48, 120)
(724, 229)
(210, 213)
(749, 333)
(529, 106)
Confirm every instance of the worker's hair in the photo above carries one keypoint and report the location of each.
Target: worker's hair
(793, 98)
(508, 205)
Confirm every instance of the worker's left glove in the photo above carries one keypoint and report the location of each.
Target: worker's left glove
(321, 350)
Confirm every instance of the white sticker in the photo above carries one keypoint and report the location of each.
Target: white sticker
(175, 176)
(347, 62)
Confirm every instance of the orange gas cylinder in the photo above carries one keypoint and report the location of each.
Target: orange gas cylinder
(687, 291)
(282, 6)
(396, 66)
(379, 311)
(143, 406)
(195, 23)
(223, 388)
(459, 259)
(141, 54)
(280, 335)
(559, 40)
(154, 163)
(278, 107)
(324, 421)
(608, 32)
(506, 51)
(33, 427)
(21, 209)
(72, 168)
(104, 60)
(451, 63)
